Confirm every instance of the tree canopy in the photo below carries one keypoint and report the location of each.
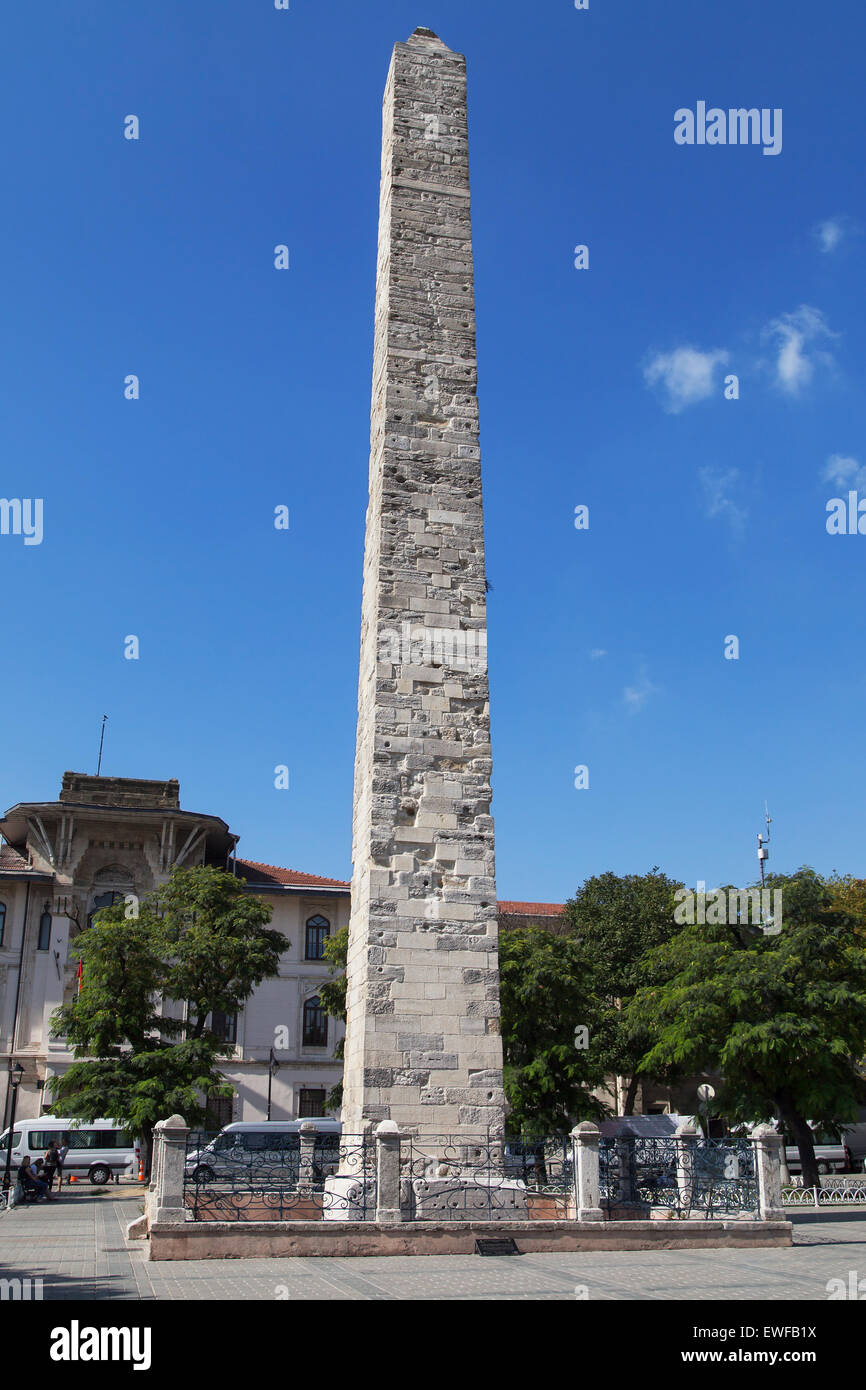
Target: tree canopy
(548, 1022)
(616, 920)
(199, 940)
(781, 1015)
(333, 997)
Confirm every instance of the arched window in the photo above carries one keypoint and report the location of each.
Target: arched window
(2, 922)
(113, 884)
(104, 900)
(318, 931)
(315, 1023)
(44, 940)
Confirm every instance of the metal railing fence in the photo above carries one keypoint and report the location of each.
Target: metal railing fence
(284, 1178)
(687, 1177)
(314, 1176)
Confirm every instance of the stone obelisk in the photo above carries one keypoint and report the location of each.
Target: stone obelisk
(423, 1046)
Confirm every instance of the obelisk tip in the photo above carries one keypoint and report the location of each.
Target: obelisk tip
(424, 35)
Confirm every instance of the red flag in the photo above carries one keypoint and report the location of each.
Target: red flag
(79, 974)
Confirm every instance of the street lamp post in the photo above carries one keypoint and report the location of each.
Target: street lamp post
(705, 1095)
(15, 1074)
(273, 1068)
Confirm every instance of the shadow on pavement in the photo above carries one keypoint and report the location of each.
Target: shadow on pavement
(821, 1218)
(22, 1286)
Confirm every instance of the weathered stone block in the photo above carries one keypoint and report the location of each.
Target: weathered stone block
(378, 1076)
(442, 1061)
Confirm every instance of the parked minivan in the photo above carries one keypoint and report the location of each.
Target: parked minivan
(855, 1140)
(98, 1149)
(264, 1149)
(832, 1155)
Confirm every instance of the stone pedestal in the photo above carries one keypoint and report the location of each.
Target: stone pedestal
(349, 1198)
(466, 1199)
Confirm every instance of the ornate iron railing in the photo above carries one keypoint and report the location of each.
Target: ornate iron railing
(544, 1165)
(686, 1177)
(283, 1179)
(446, 1178)
(302, 1177)
(838, 1194)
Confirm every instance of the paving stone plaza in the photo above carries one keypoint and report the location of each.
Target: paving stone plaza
(79, 1249)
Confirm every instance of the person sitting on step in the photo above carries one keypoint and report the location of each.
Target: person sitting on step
(29, 1178)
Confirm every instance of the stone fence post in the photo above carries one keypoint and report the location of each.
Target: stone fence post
(768, 1167)
(388, 1172)
(308, 1153)
(156, 1153)
(167, 1199)
(137, 1229)
(155, 1162)
(585, 1139)
(686, 1136)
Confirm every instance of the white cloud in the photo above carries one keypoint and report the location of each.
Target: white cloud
(844, 472)
(795, 336)
(829, 234)
(718, 501)
(636, 696)
(597, 653)
(687, 375)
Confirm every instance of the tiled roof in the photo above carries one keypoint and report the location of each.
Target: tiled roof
(11, 860)
(255, 873)
(532, 909)
(287, 878)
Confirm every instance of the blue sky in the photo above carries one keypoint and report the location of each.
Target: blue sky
(601, 387)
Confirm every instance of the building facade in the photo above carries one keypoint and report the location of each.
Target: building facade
(109, 839)
(284, 1013)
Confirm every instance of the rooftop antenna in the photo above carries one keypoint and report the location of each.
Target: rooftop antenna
(763, 856)
(102, 740)
(763, 841)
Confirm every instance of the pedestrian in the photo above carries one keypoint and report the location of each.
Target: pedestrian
(49, 1163)
(29, 1176)
(62, 1151)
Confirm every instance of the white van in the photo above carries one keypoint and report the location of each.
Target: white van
(98, 1149)
(263, 1150)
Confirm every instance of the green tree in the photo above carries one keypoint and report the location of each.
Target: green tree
(333, 997)
(782, 1016)
(549, 1069)
(617, 920)
(215, 943)
(200, 939)
(849, 895)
